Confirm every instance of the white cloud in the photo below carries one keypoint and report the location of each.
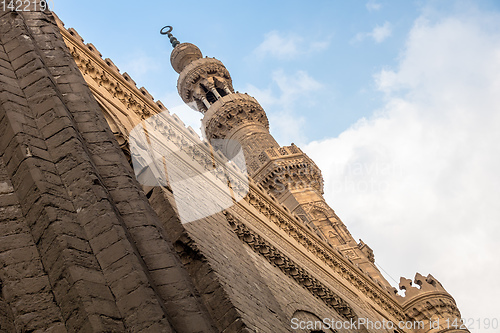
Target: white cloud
(294, 91)
(279, 46)
(287, 46)
(139, 64)
(317, 46)
(419, 181)
(294, 86)
(378, 34)
(373, 5)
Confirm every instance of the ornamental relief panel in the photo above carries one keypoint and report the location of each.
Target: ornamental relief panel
(373, 290)
(203, 69)
(290, 268)
(231, 115)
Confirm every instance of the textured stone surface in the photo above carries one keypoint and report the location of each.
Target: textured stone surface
(79, 233)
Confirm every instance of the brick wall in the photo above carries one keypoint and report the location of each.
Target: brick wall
(89, 252)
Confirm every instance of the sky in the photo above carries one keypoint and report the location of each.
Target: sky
(398, 102)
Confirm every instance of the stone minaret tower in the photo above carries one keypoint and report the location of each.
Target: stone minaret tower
(284, 172)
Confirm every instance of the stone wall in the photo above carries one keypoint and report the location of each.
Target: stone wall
(81, 249)
(243, 290)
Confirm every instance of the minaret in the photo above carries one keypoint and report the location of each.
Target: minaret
(237, 119)
(206, 86)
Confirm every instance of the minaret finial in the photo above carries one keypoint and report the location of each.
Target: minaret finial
(173, 40)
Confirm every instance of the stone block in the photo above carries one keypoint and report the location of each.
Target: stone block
(96, 219)
(114, 252)
(107, 324)
(163, 260)
(141, 301)
(28, 285)
(14, 241)
(126, 284)
(9, 81)
(32, 303)
(107, 238)
(23, 60)
(4, 60)
(58, 139)
(135, 207)
(161, 326)
(119, 269)
(14, 90)
(10, 30)
(146, 233)
(65, 163)
(9, 221)
(40, 88)
(51, 103)
(23, 269)
(6, 72)
(55, 327)
(98, 137)
(39, 74)
(8, 200)
(77, 273)
(28, 68)
(17, 47)
(37, 222)
(46, 318)
(14, 256)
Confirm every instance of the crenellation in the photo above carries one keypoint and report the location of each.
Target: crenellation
(93, 49)
(428, 301)
(192, 131)
(161, 106)
(111, 65)
(128, 78)
(177, 119)
(75, 34)
(146, 93)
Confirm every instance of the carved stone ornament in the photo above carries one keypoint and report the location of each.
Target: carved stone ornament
(287, 266)
(233, 111)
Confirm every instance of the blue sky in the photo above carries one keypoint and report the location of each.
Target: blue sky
(334, 44)
(397, 101)
(328, 41)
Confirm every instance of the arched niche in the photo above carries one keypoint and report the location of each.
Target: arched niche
(308, 322)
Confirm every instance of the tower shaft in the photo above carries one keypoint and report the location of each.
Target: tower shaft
(235, 121)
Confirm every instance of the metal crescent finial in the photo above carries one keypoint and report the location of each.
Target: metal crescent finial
(173, 40)
(166, 32)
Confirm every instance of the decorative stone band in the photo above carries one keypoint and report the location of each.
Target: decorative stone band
(277, 169)
(287, 266)
(278, 215)
(341, 265)
(231, 112)
(429, 302)
(201, 77)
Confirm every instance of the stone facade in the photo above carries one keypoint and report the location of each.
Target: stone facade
(86, 247)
